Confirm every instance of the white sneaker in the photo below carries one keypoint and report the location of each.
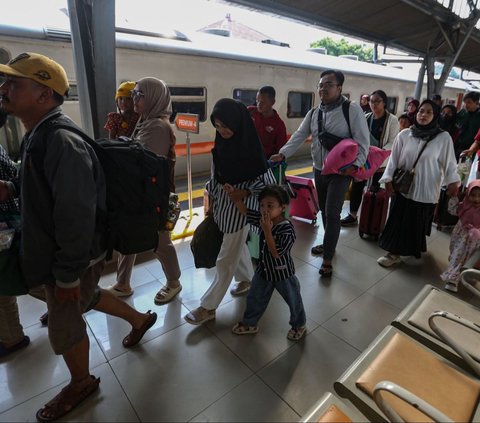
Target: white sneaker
(449, 286)
(389, 260)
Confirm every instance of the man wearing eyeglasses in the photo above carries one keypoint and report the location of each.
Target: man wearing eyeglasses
(327, 124)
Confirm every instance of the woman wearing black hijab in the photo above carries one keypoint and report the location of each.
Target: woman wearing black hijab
(448, 118)
(238, 161)
(411, 214)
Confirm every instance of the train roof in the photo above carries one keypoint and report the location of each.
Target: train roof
(207, 45)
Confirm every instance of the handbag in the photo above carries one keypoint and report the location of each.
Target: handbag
(206, 243)
(402, 179)
(12, 282)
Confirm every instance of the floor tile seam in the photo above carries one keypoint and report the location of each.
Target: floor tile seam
(123, 390)
(341, 339)
(222, 396)
(34, 396)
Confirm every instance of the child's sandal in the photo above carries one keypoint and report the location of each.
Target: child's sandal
(243, 329)
(296, 334)
(326, 270)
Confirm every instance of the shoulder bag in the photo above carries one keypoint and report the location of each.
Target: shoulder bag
(402, 178)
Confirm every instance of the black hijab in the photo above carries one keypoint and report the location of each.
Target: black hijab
(239, 158)
(447, 122)
(430, 131)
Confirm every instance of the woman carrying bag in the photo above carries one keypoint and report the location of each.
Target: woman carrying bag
(238, 160)
(426, 150)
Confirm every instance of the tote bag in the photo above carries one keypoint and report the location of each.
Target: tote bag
(206, 242)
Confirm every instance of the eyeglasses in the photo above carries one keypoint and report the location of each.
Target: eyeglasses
(326, 86)
(136, 95)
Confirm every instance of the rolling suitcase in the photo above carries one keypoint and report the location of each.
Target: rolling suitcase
(373, 213)
(305, 202)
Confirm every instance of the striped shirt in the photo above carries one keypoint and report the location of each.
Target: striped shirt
(270, 268)
(225, 213)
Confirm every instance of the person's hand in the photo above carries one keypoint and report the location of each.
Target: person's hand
(237, 195)
(277, 158)
(228, 188)
(67, 294)
(452, 189)
(467, 153)
(389, 188)
(266, 223)
(349, 170)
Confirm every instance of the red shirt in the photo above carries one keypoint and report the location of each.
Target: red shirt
(271, 131)
(477, 137)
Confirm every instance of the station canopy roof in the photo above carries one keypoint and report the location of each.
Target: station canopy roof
(408, 25)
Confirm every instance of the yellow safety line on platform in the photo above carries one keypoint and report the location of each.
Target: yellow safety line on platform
(198, 193)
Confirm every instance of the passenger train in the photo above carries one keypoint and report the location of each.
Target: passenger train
(210, 67)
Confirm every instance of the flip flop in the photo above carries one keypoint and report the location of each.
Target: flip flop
(67, 400)
(4, 351)
(136, 335)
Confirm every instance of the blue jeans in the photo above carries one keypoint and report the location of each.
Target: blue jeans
(259, 296)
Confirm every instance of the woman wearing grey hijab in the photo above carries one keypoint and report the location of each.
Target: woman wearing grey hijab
(151, 99)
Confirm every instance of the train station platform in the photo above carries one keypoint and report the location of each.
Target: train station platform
(184, 373)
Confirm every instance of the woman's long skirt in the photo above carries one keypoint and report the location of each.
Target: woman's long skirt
(408, 224)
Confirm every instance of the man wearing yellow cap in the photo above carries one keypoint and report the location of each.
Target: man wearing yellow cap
(62, 191)
(122, 123)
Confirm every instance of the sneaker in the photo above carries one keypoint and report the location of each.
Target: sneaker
(349, 221)
(199, 316)
(449, 286)
(240, 288)
(389, 260)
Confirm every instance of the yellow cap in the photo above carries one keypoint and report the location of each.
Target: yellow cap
(125, 89)
(39, 68)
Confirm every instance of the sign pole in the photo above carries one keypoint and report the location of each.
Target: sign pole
(188, 123)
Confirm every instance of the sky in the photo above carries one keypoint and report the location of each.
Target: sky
(182, 15)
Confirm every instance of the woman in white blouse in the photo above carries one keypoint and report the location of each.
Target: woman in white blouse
(410, 217)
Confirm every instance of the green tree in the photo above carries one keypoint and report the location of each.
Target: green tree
(337, 48)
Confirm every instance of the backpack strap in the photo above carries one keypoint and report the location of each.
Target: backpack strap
(346, 115)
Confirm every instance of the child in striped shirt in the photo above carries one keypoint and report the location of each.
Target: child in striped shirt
(275, 269)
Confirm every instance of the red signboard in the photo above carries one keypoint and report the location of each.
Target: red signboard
(187, 122)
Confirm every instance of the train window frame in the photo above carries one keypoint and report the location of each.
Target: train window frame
(303, 109)
(392, 104)
(190, 95)
(251, 93)
(72, 92)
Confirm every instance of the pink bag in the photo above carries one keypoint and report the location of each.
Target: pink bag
(345, 153)
(342, 155)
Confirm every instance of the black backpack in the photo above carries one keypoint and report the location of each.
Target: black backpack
(137, 185)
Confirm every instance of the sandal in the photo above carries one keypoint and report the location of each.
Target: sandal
(119, 292)
(296, 334)
(317, 250)
(241, 328)
(136, 335)
(44, 319)
(166, 294)
(326, 270)
(199, 316)
(68, 398)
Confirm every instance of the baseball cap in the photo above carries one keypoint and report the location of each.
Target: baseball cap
(125, 89)
(40, 69)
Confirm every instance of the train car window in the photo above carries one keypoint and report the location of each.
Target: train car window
(189, 100)
(299, 103)
(246, 96)
(72, 92)
(392, 104)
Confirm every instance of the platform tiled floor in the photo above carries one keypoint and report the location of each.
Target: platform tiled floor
(184, 373)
